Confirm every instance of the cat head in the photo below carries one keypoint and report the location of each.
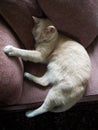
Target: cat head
(43, 30)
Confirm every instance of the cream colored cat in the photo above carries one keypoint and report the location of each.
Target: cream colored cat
(68, 68)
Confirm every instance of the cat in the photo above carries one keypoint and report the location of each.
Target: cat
(68, 66)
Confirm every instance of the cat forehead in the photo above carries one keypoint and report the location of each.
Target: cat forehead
(45, 22)
(41, 20)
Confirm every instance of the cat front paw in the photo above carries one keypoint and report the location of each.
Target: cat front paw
(9, 50)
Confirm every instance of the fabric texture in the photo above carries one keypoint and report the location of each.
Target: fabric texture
(77, 19)
(11, 70)
(18, 14)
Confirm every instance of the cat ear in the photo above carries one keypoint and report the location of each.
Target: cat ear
(51, 29)
(36, 20)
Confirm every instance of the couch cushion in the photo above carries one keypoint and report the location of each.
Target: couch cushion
(76, 18)
(11, 69)
(34, 95)
(18, 14)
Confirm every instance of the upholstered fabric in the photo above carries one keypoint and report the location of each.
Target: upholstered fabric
(11, 69)
(77, 19)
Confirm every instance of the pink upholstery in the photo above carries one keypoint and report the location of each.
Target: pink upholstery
(11, 69)
(77, 19)
(74, 18)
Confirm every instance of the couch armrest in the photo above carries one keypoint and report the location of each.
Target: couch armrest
(11, 69)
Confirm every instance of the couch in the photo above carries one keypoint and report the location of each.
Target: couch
(77, 19)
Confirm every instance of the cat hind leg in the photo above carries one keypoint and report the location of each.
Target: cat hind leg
(43, 81)
(33, 113)
(47, 106)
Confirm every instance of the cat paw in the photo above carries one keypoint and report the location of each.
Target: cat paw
(29, 114)
(32, 113)
(27, 75)
(9, 50)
